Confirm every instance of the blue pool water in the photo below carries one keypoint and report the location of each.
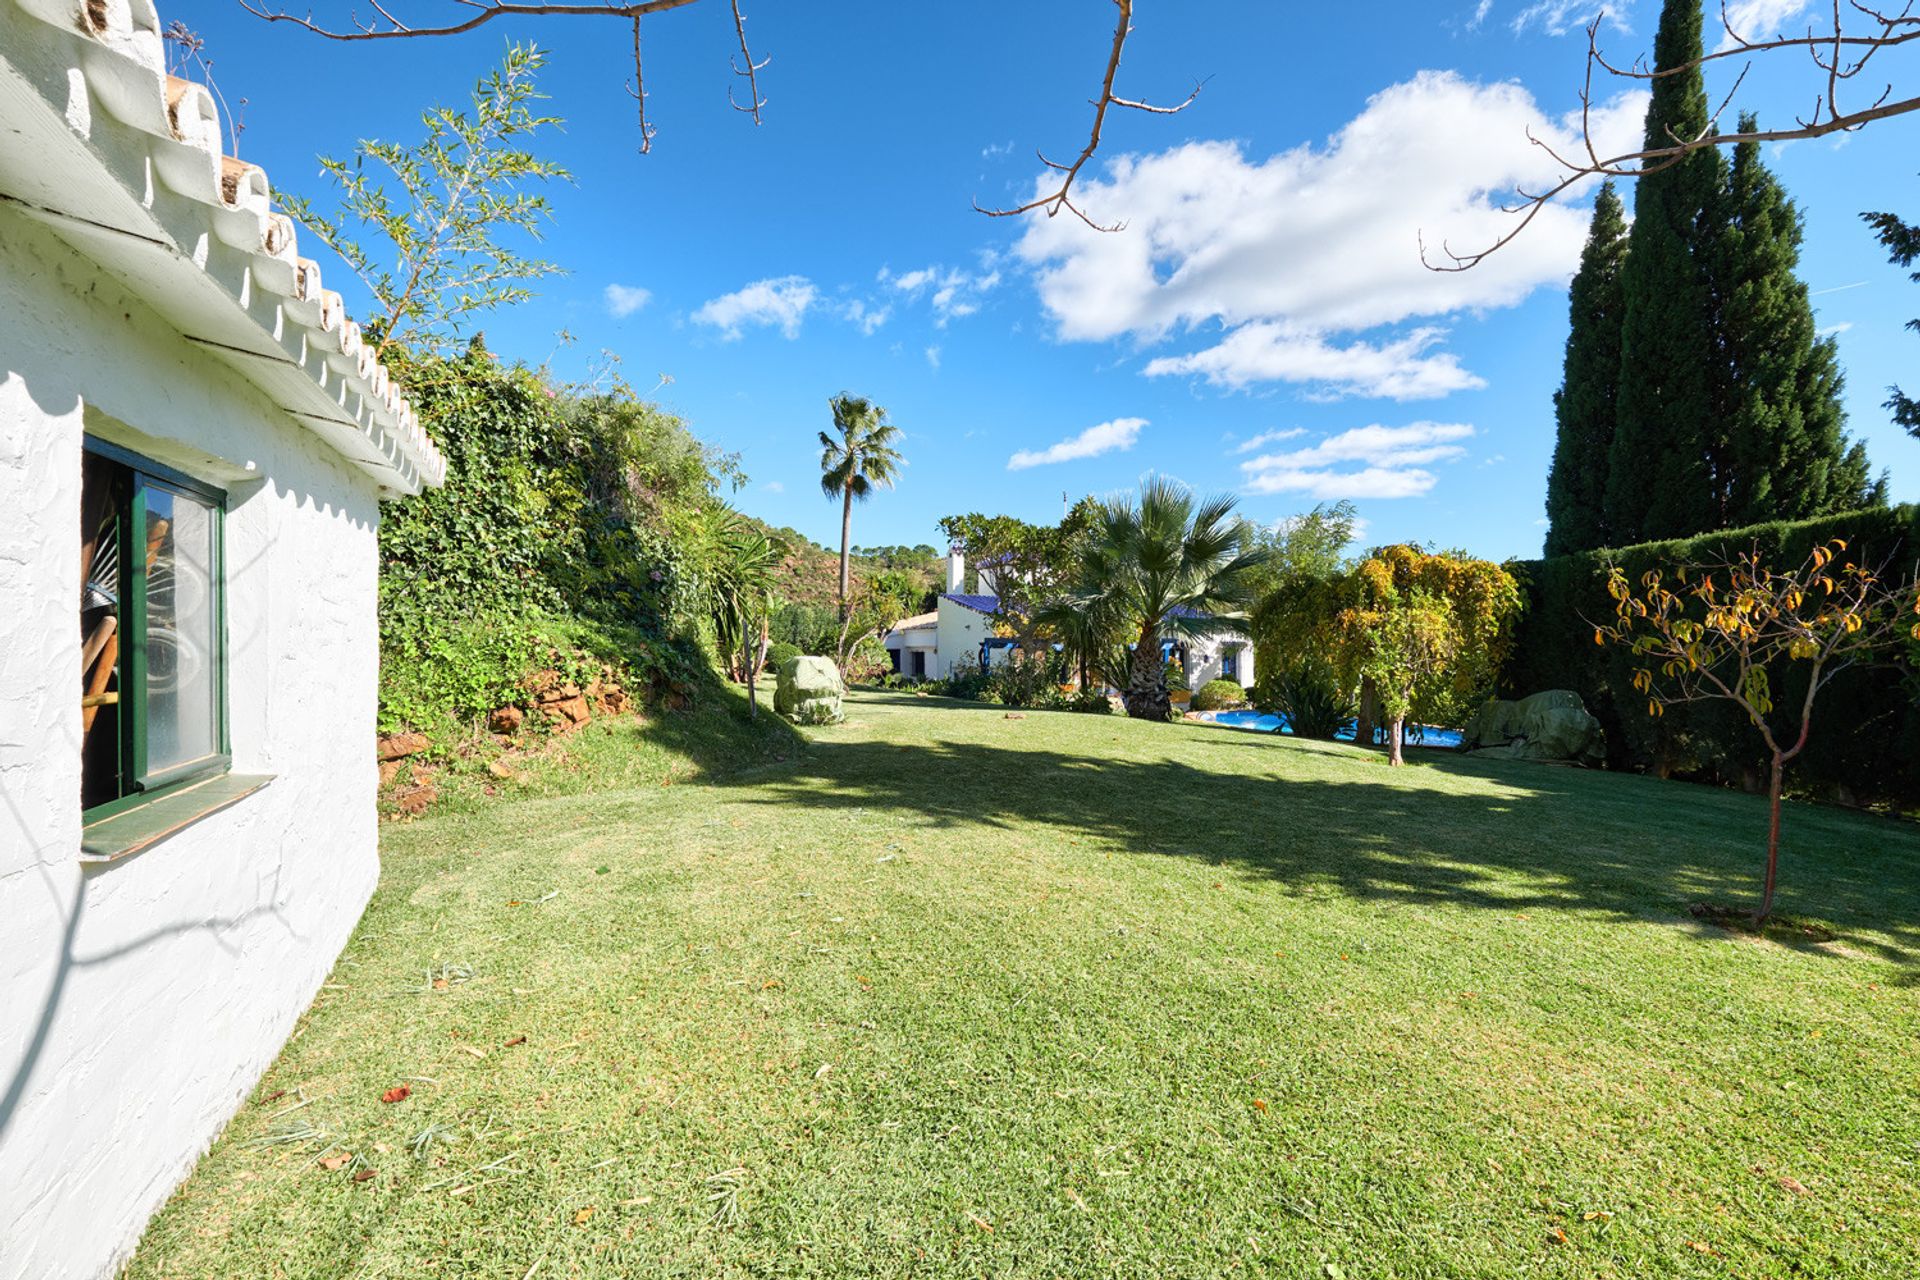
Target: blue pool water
(1268, 722)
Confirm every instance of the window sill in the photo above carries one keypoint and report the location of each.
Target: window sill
(131, 830)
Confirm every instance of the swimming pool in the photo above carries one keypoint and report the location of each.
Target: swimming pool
(1268, 722)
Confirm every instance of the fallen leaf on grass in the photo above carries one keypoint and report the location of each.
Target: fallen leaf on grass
(825, 1067)
(1075, 1197)
(580, 1218)
(1596, 1215)
(1794, 1185)
(981, 1223)
(439, 984)
(516, 1040)
(770, 984)
(365, 1175)
(478, 1053)
(1260, 1105)
(1701, 1246)
(1558, 1236)
(399, 1093)
(332, 1163)
(275, 1096)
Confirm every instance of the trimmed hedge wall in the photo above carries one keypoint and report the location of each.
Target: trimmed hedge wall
(1865, 744)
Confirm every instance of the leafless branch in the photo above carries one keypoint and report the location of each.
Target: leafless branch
(638, 89)
(1062, 196)
(751, 72)
(1839, 54)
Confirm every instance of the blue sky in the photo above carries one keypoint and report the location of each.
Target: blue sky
(1263, 324)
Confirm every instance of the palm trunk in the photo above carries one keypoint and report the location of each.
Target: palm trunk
(846, 535)
(1146, 695)
(1394, 727)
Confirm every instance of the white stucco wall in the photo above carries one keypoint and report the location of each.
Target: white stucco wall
(1204, 659)
(140, 1001)
(960, 632)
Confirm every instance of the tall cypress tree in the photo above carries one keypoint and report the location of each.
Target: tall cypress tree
(1902, 241)
(1784, 453)
(1584, 408)
(1660, 478)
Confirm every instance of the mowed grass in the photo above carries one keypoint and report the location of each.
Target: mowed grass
(955, 993)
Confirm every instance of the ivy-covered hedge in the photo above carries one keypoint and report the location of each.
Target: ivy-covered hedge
(556, 542)
(1865, 744)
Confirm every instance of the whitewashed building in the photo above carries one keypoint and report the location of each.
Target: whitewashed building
(927, 646)
(194, 446)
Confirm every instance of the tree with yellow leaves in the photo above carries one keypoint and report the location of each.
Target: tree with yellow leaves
(1726, 631)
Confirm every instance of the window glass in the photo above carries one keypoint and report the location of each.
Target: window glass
(182, 619)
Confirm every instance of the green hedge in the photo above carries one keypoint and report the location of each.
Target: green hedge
(1865, 743)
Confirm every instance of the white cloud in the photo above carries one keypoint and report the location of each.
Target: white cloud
(953, 293)
(1108, 437)
(774, 486)
(867, 316)
(1267, 438)
(1834, 330)
(1480, 12)
(1266, 351)
(1754, 20)
(782, 301)
(933, 357)
(1324, 240)
(1557, 17)
(1365, 462)
(625, 299)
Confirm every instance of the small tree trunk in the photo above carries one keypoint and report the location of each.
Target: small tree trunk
(1369, 713)
(1393, 740)
(846, 535)
(1773, 843)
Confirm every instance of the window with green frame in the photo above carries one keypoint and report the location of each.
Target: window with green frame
(152, 628)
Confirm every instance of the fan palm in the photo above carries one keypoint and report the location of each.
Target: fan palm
(862, 459)
(1165, 565)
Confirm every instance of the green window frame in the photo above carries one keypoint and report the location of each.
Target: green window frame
(146, 487)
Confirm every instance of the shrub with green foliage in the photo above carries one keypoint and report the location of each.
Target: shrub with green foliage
(1217, 695)
(557, 541)
(1309, 693)
(1865, 744)
(779, 653)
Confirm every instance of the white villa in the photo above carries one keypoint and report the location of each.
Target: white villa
(928, 646)
(194, 447)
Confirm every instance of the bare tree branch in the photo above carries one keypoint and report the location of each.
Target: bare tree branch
(1061, 197)
(751, 72)
(387, 24)
(1839, 54)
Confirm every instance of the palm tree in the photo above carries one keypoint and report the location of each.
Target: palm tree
(1167, 564)
(745, 562)
(863, 459)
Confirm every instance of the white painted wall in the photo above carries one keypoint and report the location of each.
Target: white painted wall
(960, 632)
(1205, 659)
(140, 1001)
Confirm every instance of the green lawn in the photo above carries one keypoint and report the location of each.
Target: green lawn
(949, 992)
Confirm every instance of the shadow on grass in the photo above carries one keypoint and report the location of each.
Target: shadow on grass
(1501, 836)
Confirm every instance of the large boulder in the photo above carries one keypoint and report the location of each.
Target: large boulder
(1554, 726)
(808, 690)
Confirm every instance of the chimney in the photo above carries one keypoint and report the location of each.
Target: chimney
(956, 571)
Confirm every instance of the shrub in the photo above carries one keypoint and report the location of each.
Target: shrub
(1029, 680)
(1217, 695)
(1865, 743)
(1090, 702)
(1309, 694)
(779, 653)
